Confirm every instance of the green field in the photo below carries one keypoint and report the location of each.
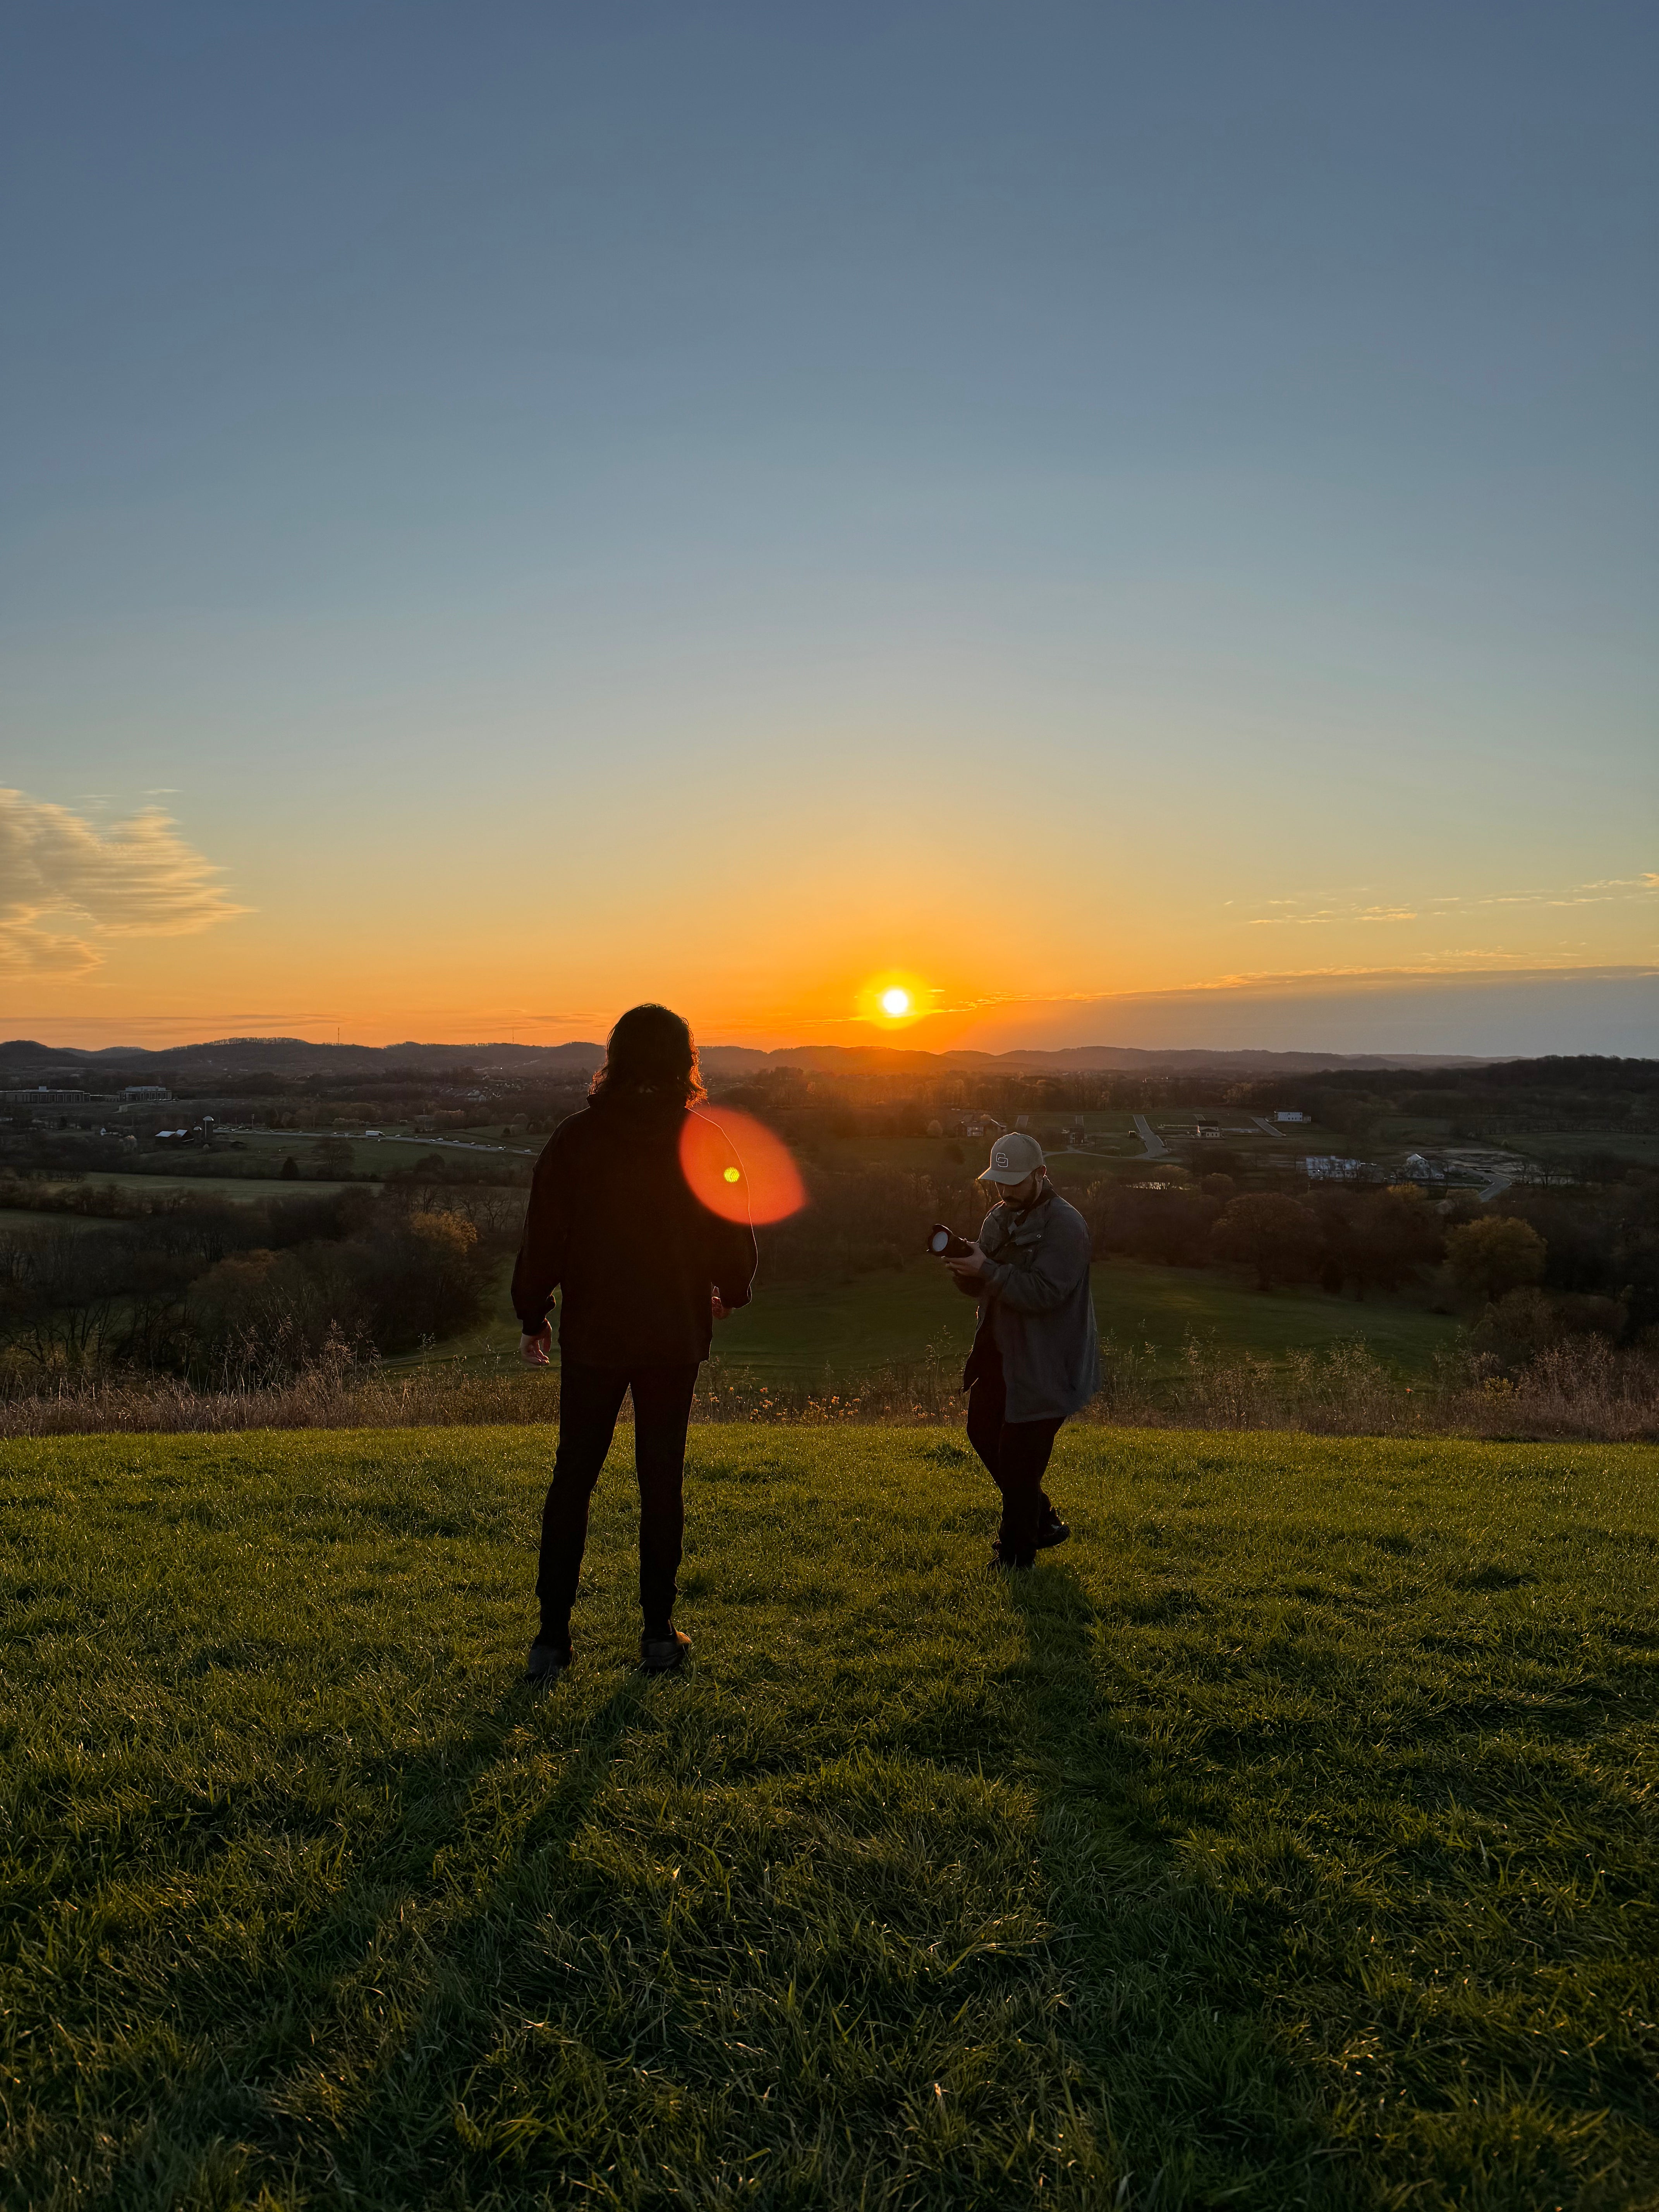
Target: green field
(1285, 1841)
(1639, 1148)
(378, 1155)
(19, 1216)
(243, 1188)
(851, 1328)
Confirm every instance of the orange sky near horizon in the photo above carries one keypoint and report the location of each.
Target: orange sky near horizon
(132, 934)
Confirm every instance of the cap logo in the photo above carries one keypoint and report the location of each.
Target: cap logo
(999, 1158)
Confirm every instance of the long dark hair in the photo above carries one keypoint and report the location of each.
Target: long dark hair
(650, 1054)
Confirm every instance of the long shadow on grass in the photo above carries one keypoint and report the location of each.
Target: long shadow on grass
(1183, 2075)
(317, 1991)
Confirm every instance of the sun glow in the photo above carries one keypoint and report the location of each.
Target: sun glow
(893, 998)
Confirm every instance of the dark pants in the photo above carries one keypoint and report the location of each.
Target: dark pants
(1016, 1453)
(590, 1399)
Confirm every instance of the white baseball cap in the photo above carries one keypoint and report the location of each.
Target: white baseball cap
(1013, 1157)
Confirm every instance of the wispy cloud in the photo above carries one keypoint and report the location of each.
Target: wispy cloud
(66, 885)
(1613, 890)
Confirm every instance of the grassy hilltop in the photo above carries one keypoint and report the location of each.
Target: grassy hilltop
(1285, 1841)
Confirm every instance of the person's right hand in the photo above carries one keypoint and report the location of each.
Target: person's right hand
(717, 1305)
(536, 1351)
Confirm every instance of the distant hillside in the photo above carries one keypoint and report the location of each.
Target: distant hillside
(23, 1060)
(1088, 1059)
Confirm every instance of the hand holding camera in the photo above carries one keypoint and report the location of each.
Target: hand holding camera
(966, 1261)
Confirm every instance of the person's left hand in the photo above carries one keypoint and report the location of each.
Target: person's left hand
(717, 1305)
(971, 1267)
(536, 1351)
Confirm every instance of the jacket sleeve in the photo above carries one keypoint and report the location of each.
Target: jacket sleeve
(733, 1261)
(733, 1255)
(981, 1289)
(1061, 1262)
(539, 1267)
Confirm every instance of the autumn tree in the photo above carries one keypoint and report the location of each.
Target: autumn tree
(1489, 1257)
(1276, 1236)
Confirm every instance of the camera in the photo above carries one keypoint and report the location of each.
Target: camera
(945, 1244)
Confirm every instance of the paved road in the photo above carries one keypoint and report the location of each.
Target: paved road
(1156, 1147)
(449, 1143)
(1272, 1128)
(1499, 1183)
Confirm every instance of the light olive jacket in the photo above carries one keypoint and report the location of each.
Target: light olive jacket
(1038, 1307)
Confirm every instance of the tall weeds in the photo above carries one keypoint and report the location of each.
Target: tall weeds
(1583, 1389)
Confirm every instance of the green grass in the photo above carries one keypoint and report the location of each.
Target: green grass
(848, 1329)
(19, 1216)
(242, 1189)
(1286, 1840)
(1640, 1148)
(380, 1155)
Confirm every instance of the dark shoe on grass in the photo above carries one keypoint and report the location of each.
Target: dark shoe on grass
(662, 1654)
(547, 1662)
(1053, 1531)
(1003, 1562)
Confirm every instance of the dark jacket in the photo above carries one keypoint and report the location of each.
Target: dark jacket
(1038, 1308)
(613, 1224)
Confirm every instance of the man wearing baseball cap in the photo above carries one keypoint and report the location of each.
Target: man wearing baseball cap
(1036, 1350)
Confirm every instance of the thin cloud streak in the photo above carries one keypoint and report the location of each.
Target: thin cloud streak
(1612, 891)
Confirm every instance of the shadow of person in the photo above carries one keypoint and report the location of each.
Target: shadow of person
(408, 1914)
(1165, 2007)
(1063, 1718)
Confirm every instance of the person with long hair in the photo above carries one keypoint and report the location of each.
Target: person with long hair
(644, 1270)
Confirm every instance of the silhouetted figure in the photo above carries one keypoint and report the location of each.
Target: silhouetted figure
(644, 1269)
(1036, 1350)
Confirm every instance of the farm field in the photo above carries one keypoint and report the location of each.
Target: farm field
(243, 1188)
(19, 1216)
(1640, 1149)
(1284, 1841)
(851, 1328)
(377, 1155)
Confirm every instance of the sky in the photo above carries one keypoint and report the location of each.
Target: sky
(1131, 525)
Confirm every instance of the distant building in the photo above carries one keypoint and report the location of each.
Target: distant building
(136, 1092)
(1207, 1129)
(1285, 1113)
(1329, 1167)
(42, 1096)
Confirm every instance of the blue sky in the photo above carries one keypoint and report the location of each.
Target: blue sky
(1086, 507)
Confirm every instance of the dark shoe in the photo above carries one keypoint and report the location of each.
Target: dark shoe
(547, 1662)
(1055, 1531)
(1010, 1562)
(662, 1654)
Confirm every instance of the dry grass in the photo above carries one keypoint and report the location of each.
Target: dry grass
(1583, 1390)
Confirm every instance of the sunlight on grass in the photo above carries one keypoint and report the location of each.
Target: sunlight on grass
(1285, 1840)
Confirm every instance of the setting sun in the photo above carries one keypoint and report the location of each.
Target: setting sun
(895, 1002)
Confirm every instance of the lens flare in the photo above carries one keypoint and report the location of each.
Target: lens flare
(738, 1168)
(895, 1002)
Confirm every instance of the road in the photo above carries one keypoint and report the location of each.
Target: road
(1156, 1147)
(375, 1136)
